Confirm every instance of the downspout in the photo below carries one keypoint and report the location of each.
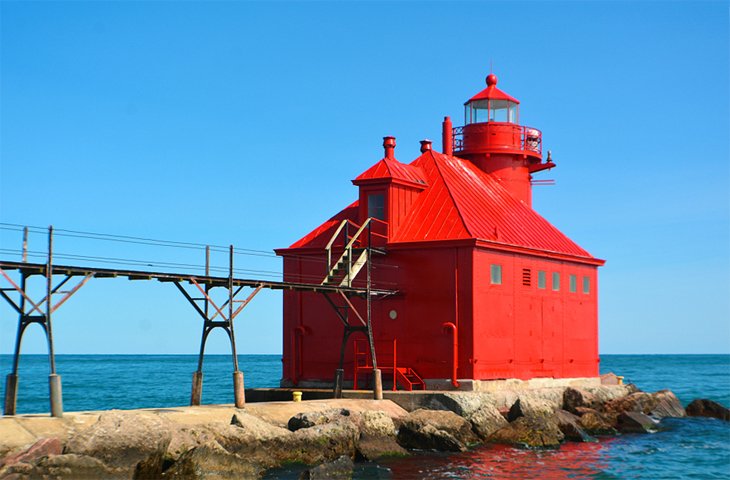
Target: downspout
(449, 326)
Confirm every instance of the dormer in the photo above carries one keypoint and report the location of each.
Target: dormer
(388, 188)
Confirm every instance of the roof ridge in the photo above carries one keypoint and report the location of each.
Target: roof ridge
(451, 195)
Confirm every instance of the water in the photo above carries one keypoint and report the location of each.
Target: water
(685, 448)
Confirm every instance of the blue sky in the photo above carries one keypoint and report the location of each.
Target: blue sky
(244, 122)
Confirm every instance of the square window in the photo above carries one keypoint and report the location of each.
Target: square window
(376, 206)
(573, 283)
(586, 285)
(495, 274)
(541, 279)
(556, 281)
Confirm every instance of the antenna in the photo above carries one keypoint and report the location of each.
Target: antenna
(490, 66)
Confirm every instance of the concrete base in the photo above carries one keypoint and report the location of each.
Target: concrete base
(468, 385)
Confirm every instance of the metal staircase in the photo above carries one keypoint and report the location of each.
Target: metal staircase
(356, 253)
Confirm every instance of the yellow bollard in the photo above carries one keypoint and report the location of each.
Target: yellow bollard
(296, 396)
(620, 379)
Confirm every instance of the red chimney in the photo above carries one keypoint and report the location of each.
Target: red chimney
(447, 137)
(389, 146)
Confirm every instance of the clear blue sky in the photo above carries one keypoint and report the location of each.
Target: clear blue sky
(244, 122)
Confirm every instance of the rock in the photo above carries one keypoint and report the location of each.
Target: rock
(134, 442)
(187, 437)
(428, 437)
(374, 423)
(464, 404)
(660, 404)
(73, 466)
(668, 405)
(42, 448)
(321, 443)
(569, 424)
(574, 398)
(377, 436)
(702, 407)
(310, 419)
(532, 431)
(372, 448)
(435, 430)
(596, 423)
(606, 393)
(211, 463)
(487, 420)
(636, 422)
(340, 469)
(267, 445)
(609, 379)
(527, 407)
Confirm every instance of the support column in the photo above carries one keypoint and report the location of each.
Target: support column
(54, 381)
(54, 384)
(339, 376)
(239, 392)
(377, 384)
(11, 393)
(197, 392)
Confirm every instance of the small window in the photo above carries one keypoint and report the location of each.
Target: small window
(541, 279)
(526, 277)
(376, 206)
(495, 274)
(573, 283)
(556, 281)
(586, 285)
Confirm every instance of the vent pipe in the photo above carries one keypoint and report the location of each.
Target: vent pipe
(447, 137)
(425, 145)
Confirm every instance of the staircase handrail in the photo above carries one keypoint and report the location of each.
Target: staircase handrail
(332, 241)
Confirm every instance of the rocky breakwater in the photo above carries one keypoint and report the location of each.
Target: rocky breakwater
(329, 436)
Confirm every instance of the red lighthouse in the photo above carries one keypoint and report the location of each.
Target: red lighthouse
(482, 287)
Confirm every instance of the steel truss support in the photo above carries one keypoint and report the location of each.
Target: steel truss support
(215, 316)
(40, 312)
(366, 328)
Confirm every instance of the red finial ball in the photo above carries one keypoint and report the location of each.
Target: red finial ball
(491, 79)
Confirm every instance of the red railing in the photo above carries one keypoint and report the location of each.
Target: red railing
(491, 136)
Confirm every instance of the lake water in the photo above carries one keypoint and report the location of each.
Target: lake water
(685, 448)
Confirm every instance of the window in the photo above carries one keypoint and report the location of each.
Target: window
(573, 283)
(541, 279)
(586, 285)
(376, 206)
(495, 274)
(526, 277)
(556, 281)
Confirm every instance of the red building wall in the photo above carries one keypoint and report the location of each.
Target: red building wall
(511, 330)
(523, 331)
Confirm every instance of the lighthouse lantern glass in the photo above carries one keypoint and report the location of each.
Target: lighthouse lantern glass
(482, 111)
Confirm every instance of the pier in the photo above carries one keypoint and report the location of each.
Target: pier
(63, 281)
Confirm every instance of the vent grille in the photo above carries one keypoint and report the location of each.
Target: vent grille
(526, 277)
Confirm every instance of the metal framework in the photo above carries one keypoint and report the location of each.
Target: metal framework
(358, 247)
(214, 316)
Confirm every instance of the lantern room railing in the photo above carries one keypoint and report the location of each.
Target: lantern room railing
(497, 136)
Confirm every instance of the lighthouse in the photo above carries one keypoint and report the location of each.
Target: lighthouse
(484, 288)
(493, 140)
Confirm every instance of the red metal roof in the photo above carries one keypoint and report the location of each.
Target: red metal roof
(319, 237)
(392, 169)
(492, 93)
(460, 202)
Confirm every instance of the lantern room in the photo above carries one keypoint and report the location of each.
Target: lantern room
(491, 105)
(491, 125)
